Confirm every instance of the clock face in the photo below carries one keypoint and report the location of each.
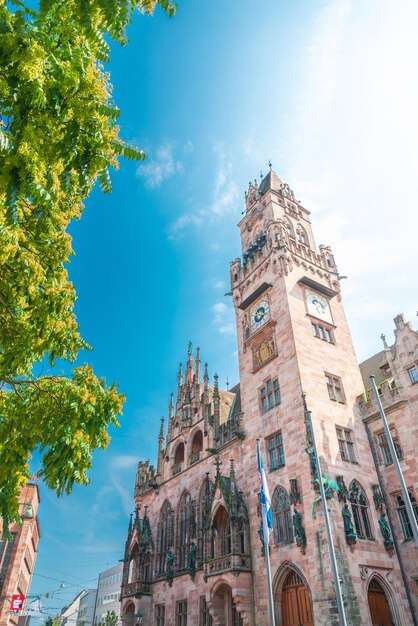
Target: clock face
(318, 306)
(260, 314)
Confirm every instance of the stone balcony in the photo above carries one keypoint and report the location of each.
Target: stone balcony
(229, 563)
(176, 469)
(135, 589)
(194, 457)
(389, 397)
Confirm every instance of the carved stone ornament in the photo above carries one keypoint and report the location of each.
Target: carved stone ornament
(265, 351)
(378, 497)
(364, 572)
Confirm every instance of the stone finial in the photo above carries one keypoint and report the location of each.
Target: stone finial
(170, 407)
(161, 433)
(197, 365)
(383, 338)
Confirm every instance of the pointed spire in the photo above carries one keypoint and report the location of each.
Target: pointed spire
(170, 407)
(216, 400)
(180, 375)
(383, 338)
(161, 433)
(188, 379)
(197, 378)
(130, 527)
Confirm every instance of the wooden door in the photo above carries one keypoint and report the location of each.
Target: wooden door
(296, 604)
(379, 606)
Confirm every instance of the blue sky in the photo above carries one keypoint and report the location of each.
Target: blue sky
(328, 91)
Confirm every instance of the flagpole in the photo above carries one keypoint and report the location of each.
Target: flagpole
(334, 566)
(272, 620)
(269, 585)
(405, 494)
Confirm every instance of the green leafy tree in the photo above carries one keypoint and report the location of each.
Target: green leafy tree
(58, 136)
(111, 619)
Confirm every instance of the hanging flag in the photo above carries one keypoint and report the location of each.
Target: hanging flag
(265, 500)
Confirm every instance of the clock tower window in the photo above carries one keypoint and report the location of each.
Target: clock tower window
(270, 394)
(335, 388)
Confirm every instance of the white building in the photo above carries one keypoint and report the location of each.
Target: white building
(108, 593)
(86, 608)
(69, 614)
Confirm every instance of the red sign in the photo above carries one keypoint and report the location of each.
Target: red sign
(18, 600)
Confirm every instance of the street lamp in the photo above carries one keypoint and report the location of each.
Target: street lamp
(138, 618)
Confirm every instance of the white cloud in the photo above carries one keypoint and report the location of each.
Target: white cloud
(157, 169)
(352, 153)
(224, 200)
(224, 318)
(123, 461)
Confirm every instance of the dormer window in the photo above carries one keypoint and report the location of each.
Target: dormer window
(185, 413)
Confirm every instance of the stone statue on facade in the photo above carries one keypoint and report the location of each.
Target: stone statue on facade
(192, 557)
(300, 535)
(350, 534)
(170, 566)
(385, 530)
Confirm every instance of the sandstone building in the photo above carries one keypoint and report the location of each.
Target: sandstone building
(18, 554)
(193, 552)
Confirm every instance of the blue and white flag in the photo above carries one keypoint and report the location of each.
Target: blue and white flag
(265, 500)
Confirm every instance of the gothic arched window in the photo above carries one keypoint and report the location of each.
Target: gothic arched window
(221, 533)
(132, 571)
(283, 530)
(165, 536)
(241, 535)
(186, 530)
(197, 447)
(289, 228)
(302, 236)
(179, 454)
(359, 508)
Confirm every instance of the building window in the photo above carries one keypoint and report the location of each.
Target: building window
(236, 617)
(270, 394)
(335, 388)
(282, 516)
(6, 547)
(185, 530)
(321, 331)
(275, 451)
(385, 450)
(181, 613)
(159, 614)
(403, 515)
(165, 536)
(359, 508)
(413, 374)
(346, 444)
(221, 533)
(205, 618)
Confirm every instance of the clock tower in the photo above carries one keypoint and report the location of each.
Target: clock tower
(296, 353)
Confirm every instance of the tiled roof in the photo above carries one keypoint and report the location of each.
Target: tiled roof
(372, 366)
(271, 181)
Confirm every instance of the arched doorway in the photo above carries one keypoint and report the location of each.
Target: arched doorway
(128, 617)
(296, 603)
(379, 605)
(224, 607)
